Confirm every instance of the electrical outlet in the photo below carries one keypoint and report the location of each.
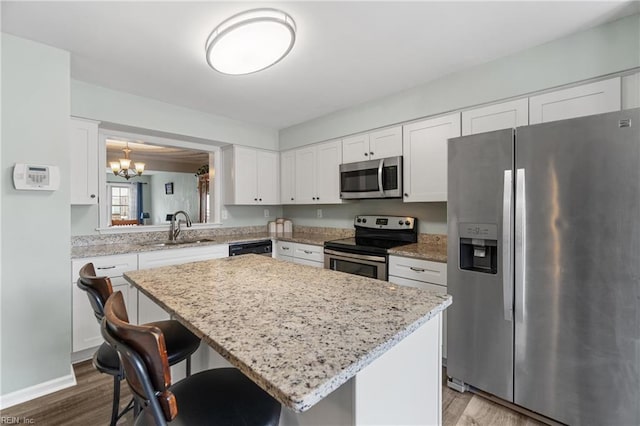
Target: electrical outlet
(225, 215)
(266, 212)
(319, 213)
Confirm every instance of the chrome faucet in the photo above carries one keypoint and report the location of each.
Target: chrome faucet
(174, 230)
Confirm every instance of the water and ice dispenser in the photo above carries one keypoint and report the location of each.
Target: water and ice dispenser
(479, 247)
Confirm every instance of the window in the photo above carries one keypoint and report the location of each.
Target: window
(122, 202)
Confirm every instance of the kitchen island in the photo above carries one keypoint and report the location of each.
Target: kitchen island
(333, 348)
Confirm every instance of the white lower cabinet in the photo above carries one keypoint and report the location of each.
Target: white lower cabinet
(85, 328)
(303, 254)
(421, 274)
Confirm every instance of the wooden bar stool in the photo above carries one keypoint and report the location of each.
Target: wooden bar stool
(222, 396)
(181, 343)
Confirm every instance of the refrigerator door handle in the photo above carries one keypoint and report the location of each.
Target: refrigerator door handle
(507, 270)
(520, 237)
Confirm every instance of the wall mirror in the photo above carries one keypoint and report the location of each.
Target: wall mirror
(146, 179)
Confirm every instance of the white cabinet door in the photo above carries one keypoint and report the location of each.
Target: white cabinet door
(355, 148)
(385, 143)
(425, 157)
(268, 177)
(84, 161)
(313, 263)
(246, 175)
(594, 98)
(305, 175)
(288, 177)
(328, 160)
(504, 115)
(250, 176)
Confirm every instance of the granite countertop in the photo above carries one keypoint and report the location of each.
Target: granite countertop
(123, 248)
(421, 251)
(299, 332)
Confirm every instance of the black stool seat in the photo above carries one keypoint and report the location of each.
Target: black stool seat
(181, 343)
(222, 396)
(106, 360)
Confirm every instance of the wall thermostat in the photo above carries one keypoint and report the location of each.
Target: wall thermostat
(36, 177)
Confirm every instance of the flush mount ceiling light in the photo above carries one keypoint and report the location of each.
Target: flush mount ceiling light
(250, 41)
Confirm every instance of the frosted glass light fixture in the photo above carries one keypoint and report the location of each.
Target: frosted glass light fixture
(250, 41)
(122, 166)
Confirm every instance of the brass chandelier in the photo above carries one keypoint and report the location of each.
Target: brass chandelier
(122, 166)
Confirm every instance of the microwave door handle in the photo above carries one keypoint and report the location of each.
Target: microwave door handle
(380, 187)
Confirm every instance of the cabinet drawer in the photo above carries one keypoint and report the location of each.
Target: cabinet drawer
(284, 248)
(419, 270)
(106, 266)
(308, 262)
(309, 252)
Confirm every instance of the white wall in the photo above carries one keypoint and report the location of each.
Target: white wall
(36, 277)
(609, 48)
(184, 197)
(99, 103)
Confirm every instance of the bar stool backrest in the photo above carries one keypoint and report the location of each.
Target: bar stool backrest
(143, 354)
(98, 289)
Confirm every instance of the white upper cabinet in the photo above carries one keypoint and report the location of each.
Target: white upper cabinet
(305, 181)
(288, 177)
(251, 176)
(84, 161)
(425, 157)
(381, 143)
(500, 116)
(328, 160)
(594, 98)
(317, 173)
(355, 148)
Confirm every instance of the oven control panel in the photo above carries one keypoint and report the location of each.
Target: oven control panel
(385, 222)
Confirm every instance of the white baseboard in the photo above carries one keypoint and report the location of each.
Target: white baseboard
(36, 391)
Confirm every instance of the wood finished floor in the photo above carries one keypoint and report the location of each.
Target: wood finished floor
(89, 403)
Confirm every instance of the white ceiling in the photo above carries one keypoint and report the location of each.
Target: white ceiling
(346, 52)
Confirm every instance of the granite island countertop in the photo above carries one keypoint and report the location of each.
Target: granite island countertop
(299, 332)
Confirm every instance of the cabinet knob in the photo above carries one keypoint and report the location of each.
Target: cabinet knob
(366, 154)
(93, 195)
(370, 152)
(406, 195)
(259, 199)
(313, 198)
(291, 198)
(255, 199)
(317, 198)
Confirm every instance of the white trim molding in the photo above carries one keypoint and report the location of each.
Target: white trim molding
(36, 391)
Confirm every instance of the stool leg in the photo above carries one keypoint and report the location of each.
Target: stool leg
(188, 365)
(116, 399)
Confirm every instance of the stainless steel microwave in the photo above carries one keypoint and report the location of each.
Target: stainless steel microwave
(371, 179)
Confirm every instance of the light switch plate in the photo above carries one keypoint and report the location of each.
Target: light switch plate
(266, 212)
(319, 213)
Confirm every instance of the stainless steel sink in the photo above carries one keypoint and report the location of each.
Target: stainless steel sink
(179, 242)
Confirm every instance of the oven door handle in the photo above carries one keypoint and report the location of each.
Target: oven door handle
(356, 256)
(380, 167)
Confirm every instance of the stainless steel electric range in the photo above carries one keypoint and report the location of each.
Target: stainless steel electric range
(367, 253)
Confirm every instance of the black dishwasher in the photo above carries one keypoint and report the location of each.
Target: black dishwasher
(263, 247)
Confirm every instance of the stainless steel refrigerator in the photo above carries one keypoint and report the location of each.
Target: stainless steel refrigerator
(544, 267)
